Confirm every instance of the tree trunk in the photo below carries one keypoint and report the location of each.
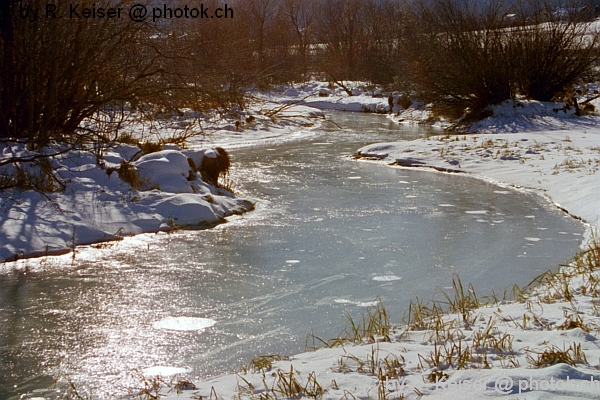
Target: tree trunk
(7, 67)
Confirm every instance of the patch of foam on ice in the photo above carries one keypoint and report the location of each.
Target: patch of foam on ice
(342, 301)
(368, 304)
(164, 371)
(476, 212)
(184, 323)
(386, 278)
(357, 303)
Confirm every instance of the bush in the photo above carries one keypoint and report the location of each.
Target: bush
(75, 80)
(214, 167)
(34, 174)
(465, 56)
(550, 51)
(128, 173)
(456, 56)
(405, 101)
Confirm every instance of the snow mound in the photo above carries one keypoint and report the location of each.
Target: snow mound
(165, 170)
(97, 205)
(513, 116)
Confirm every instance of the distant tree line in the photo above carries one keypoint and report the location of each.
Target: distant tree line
(460, 55)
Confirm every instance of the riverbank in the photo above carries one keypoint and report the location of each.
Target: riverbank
(97, 205)
(544, 344)
(473, 353)
(558, 157)
(105, 194)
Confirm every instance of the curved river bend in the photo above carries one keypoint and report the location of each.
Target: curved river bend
(328, 237)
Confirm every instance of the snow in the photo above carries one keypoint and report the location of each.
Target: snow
(501, 349)
(386, 278)
(97, 205)
(507, 344)
(322, 96)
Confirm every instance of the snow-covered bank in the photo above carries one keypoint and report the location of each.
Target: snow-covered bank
(544, 345)
(474, 353)
(559, 164)
(324, 96)
(267, 119)
(97, 204)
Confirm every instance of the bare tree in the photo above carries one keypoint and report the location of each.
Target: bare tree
(341, 28)
(456, 54)
(58, 72)
(301, 17)
(464, 56)
(379, 57)
(551, 49)
(258, 16)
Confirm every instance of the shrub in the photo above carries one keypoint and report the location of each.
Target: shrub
(150, 147)
(456, 52)
(212, 168)
(549, 51)
(465, 56)
(57, 72)
(404, 101)
(34, 173)
(128, 173)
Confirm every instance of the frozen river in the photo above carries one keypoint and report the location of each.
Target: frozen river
(329, 236)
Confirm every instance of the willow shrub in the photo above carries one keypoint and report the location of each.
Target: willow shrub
(464, 56)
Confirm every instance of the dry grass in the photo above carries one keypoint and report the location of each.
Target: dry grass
(128, 173)
(554, 355)
(37, 175)
(262, 363)
(426, 315)
(374, 326)
(284, 385)
(561, 286)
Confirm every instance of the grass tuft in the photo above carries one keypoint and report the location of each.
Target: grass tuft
(554, 355)
(284, 385)
(263, 363)
(128, 173)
